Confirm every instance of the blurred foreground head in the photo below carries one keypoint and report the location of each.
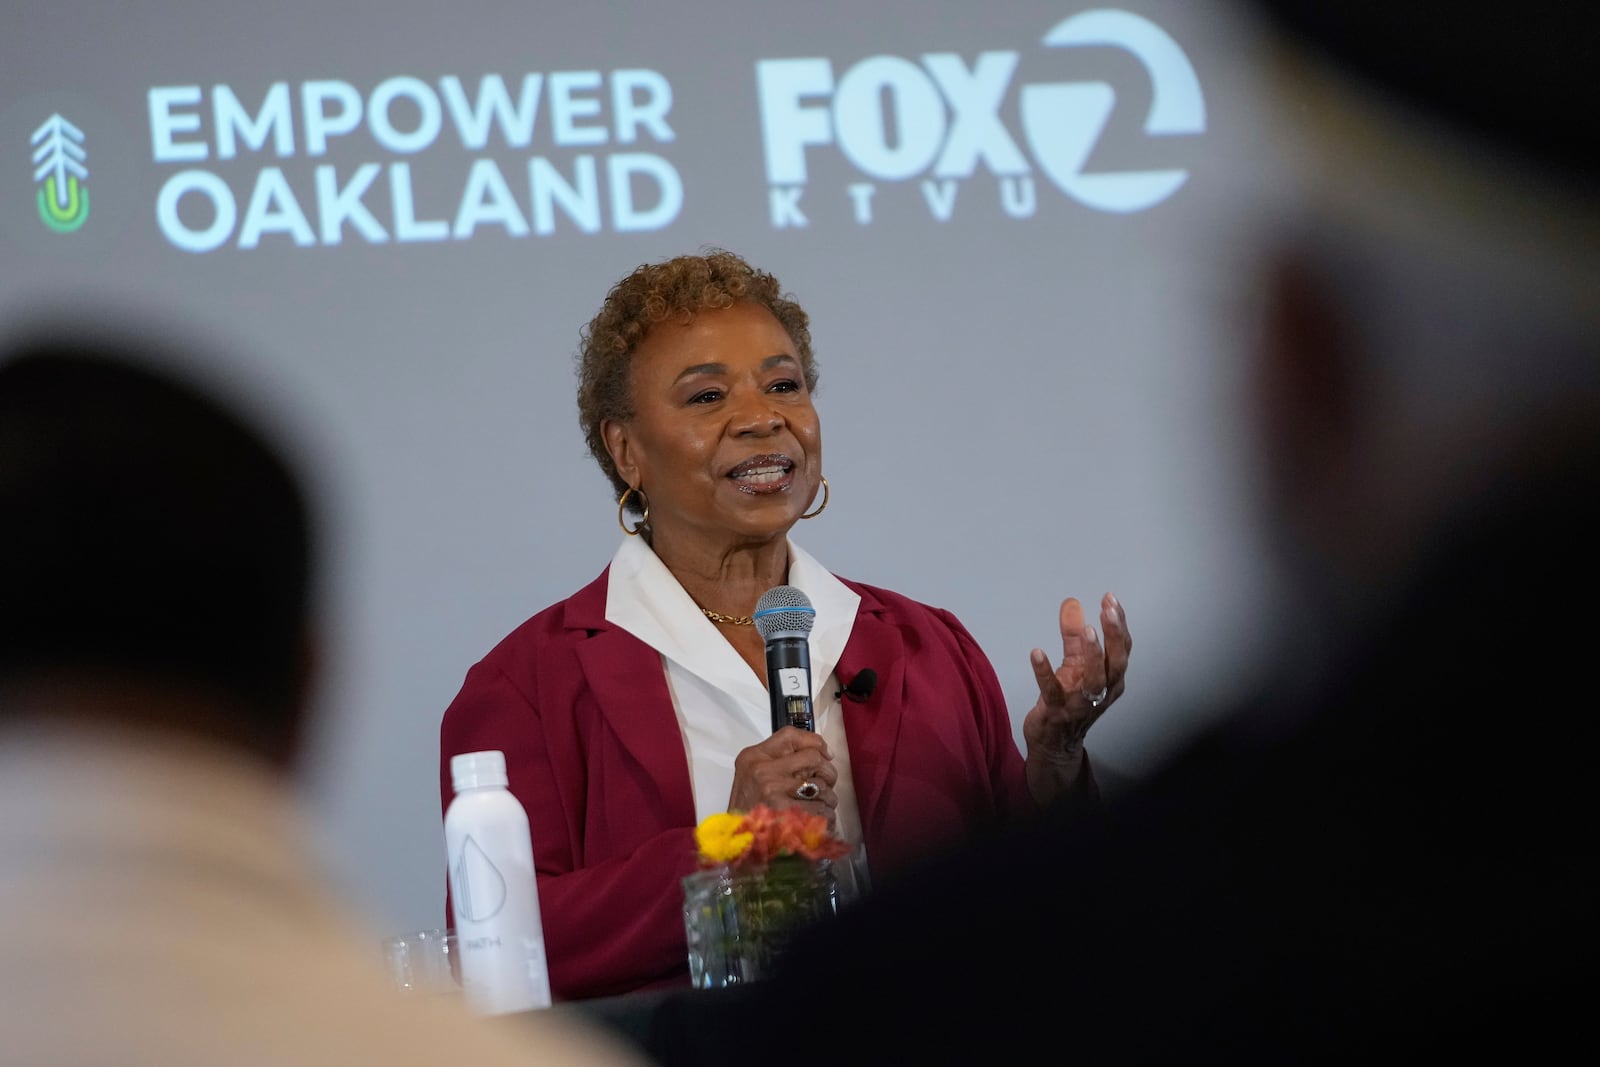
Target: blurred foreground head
(1431, 325)
(155, 549)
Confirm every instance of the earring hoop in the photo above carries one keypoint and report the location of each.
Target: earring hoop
(622, 503)
(823, 506)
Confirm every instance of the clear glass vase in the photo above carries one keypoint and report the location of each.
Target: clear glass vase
(738, 920)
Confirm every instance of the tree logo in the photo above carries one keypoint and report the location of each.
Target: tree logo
(59, 171)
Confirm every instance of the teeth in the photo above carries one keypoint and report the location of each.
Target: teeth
(763, 475)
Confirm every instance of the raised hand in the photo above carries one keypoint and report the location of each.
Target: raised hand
(1073, 695)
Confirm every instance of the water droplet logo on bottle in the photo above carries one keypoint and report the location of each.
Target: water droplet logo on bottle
(480, 886)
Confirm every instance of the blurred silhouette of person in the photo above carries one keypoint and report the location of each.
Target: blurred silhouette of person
(1379, 853)
(158, 896)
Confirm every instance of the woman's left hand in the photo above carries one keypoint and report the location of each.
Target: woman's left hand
(1073, 696)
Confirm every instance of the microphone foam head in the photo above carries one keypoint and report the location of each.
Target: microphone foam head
(784, 610)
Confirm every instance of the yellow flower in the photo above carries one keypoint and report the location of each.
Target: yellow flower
(721, 838)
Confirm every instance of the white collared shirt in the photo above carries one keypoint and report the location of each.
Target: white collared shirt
(722, 706)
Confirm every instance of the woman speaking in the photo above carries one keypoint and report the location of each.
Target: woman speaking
(638, 705)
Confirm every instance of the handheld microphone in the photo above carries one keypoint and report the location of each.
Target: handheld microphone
(860, 687)
(784, 617)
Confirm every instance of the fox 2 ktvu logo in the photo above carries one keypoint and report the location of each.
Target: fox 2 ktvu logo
(894, 120)
(885, 124)
(60, 173)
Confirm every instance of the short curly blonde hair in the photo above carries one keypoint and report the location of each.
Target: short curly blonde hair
(677, 287)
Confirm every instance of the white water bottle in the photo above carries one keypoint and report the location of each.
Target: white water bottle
(493, 892)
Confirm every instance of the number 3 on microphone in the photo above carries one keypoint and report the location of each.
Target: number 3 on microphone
(792, 681)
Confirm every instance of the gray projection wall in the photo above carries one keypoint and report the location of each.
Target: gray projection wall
(1018, 227)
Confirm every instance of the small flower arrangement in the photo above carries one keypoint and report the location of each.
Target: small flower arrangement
(763, 872)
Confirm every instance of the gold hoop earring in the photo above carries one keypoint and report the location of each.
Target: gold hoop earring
(823, 507)
(622, 503)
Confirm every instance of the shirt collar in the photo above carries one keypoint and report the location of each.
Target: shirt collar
(644, 598)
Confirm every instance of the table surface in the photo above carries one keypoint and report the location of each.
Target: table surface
(659, 1022)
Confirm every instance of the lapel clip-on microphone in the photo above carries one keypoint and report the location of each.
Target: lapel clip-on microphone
(860, 687)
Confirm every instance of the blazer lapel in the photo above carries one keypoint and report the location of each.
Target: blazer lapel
(872, 726)
(629, 685)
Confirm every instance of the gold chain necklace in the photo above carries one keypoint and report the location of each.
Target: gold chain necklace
(732, 620)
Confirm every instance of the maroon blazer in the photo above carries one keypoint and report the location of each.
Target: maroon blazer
(593, 752)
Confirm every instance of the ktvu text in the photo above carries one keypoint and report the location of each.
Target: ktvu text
(592, 170)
